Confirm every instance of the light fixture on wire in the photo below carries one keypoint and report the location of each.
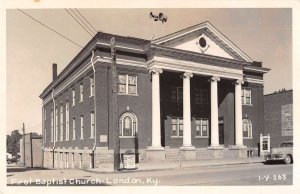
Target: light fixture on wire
(160, 17)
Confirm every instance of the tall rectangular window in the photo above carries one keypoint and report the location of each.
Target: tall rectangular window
(127, 84)
(201, 126)
(52, 125)
(92, 124)
(176, 94)
(92, 86)
(56, 124)
(45, 135)
(200, 96)
(81, 91)
(61, 119)
(81, 127)
(67, 121)
(177, 127)
(73, 97)
(74, 128)
(246, 97)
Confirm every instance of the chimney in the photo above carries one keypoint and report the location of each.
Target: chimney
(54, 71)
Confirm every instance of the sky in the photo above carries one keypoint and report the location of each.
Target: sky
(264, 34)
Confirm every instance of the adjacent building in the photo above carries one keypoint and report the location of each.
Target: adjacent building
(33, 156)
(192, 93)
(279, 116)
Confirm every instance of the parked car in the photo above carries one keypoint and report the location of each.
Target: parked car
(283, 153)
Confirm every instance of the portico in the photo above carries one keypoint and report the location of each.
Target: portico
(187, 70)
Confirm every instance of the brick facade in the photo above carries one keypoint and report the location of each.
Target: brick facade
(133, 55)
(273, 104)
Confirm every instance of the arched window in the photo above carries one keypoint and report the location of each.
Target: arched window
(247, 128)
(128, 125)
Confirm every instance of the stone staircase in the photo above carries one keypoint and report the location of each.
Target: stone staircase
(172, 154)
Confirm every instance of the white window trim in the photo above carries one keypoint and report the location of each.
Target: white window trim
(73, 97)
(67, 120)
(244, 97)
(92, 125)
(74, 128)
(81, 92)
(178, 127)
(249, 124)
(201, 129)
(61, 121)
(81, 127)
(56, 124)
(92, 89)
(127, 86)
(133, 118)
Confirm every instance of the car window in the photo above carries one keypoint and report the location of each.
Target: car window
(289, 144)
(283, 145)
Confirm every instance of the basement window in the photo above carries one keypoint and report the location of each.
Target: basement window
(201, 126)
(177, 127)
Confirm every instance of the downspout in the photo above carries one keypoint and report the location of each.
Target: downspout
(54, 127)
(95, 110)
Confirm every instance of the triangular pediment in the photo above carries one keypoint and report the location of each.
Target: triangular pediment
(203, 38)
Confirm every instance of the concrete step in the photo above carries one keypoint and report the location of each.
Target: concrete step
(172, 154)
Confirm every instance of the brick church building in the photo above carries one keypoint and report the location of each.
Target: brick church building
(191, 94)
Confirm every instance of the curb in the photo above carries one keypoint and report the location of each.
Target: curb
(170, 168)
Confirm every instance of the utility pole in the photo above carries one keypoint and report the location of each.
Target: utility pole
(115, 107)
(23, 130)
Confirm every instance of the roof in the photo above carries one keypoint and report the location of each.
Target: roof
(142, 46)
(280, 92)
(100, 37)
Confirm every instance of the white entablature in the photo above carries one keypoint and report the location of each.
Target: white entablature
(195, 68)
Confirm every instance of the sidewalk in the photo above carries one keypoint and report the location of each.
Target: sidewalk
(169, 165)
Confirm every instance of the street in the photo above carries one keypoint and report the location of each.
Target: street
(244, 174)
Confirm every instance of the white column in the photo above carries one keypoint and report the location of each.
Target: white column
(156, 140)
(187, 141)
(238, 114)
(214, 111)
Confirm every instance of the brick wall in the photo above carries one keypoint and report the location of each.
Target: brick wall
(254, 113)
(272, 119)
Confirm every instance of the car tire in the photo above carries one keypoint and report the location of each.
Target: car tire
(288, 159)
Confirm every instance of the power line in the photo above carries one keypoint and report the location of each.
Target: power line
(86, 20)
(86, 24)
(79, 22)
(50, 28)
